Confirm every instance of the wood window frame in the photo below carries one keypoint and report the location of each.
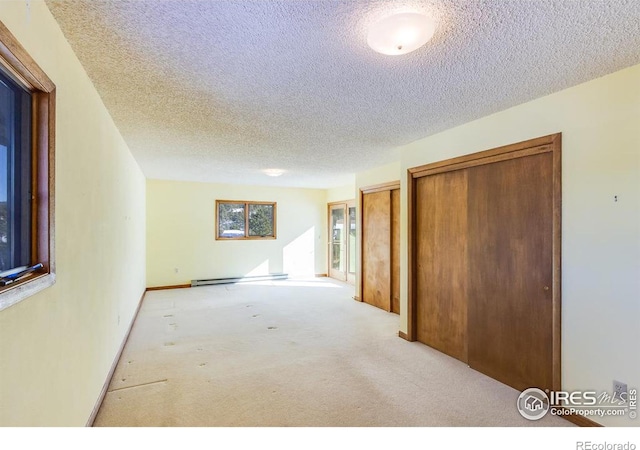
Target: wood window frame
(246, 236)
(545, 144)
(18, 63)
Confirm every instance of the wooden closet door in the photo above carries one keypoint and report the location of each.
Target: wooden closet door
(376, 249)
(510, 216)
(395, 251)
(441, 262)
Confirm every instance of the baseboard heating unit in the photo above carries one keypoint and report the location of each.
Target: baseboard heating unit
(273, 276)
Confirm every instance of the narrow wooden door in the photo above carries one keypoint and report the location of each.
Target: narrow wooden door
(395, 251)
(441, 262)
(510, 218)
(376, 249)
(381, 248)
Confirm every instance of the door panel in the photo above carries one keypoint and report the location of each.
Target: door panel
(441, 262)
(510, 270)
(395, 251)
(376, 249)
(337, 244)
(351, 238)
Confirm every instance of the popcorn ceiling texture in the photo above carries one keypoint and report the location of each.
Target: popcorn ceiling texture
(216, 91)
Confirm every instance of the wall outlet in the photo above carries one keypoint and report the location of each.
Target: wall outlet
(175, 270)
(619, 390)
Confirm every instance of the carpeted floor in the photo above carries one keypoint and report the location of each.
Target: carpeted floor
(291, 353)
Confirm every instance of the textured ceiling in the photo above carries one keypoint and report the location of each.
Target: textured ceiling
(216, 91)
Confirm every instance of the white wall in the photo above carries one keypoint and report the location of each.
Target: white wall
(600, 125)
(341, 193)
(56, 347)
(181, 233)
(378, 175)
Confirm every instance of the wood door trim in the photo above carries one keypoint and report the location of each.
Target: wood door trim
(551, 143)
(341, 202)
(556, 265)
(482, 161)
(517, 150)
(390, 186)
(403, 335)
(410, 335)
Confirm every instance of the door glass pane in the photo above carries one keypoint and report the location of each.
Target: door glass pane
(352, 239)
(337, 239)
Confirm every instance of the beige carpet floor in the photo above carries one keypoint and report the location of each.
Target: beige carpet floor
(291, 353)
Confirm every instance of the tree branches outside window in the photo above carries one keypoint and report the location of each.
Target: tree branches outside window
(245, 220)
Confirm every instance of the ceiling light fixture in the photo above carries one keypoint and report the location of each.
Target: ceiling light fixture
(273, 172)
(401, 33)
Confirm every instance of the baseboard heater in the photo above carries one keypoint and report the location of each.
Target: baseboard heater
(273, 276)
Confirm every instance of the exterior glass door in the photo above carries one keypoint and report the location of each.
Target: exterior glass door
(351, 239)
(342, 241)
(337, 247)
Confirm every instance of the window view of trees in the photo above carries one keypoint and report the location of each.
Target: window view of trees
(231, 219)
(241, 220)
(260, 220)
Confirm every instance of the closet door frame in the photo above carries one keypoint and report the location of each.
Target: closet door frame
(389, 186)
(546, 144)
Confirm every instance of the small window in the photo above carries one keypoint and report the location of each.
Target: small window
(27, 124)
(245, 220)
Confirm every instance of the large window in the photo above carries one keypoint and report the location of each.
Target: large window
(27, 110)
(245, 220)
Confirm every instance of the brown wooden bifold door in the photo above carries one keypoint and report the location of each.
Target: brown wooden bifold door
(485, 261)
(441, 258)
(380, 269)
(510, 212)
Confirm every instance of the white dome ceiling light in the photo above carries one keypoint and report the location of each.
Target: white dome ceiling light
(401, 33)
(273, 172)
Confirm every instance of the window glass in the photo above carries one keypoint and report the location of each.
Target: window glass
(231, 220)
(260, 220)
(15, 175)
(246, 220)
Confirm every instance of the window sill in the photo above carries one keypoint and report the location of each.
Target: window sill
(14, 294)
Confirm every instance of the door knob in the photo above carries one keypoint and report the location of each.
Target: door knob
(546, 288)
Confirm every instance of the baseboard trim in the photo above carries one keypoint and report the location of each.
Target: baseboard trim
(321, 275)
(356, 298)
(404, 335)
(581, 421)
(175, 286)
(116, 360)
